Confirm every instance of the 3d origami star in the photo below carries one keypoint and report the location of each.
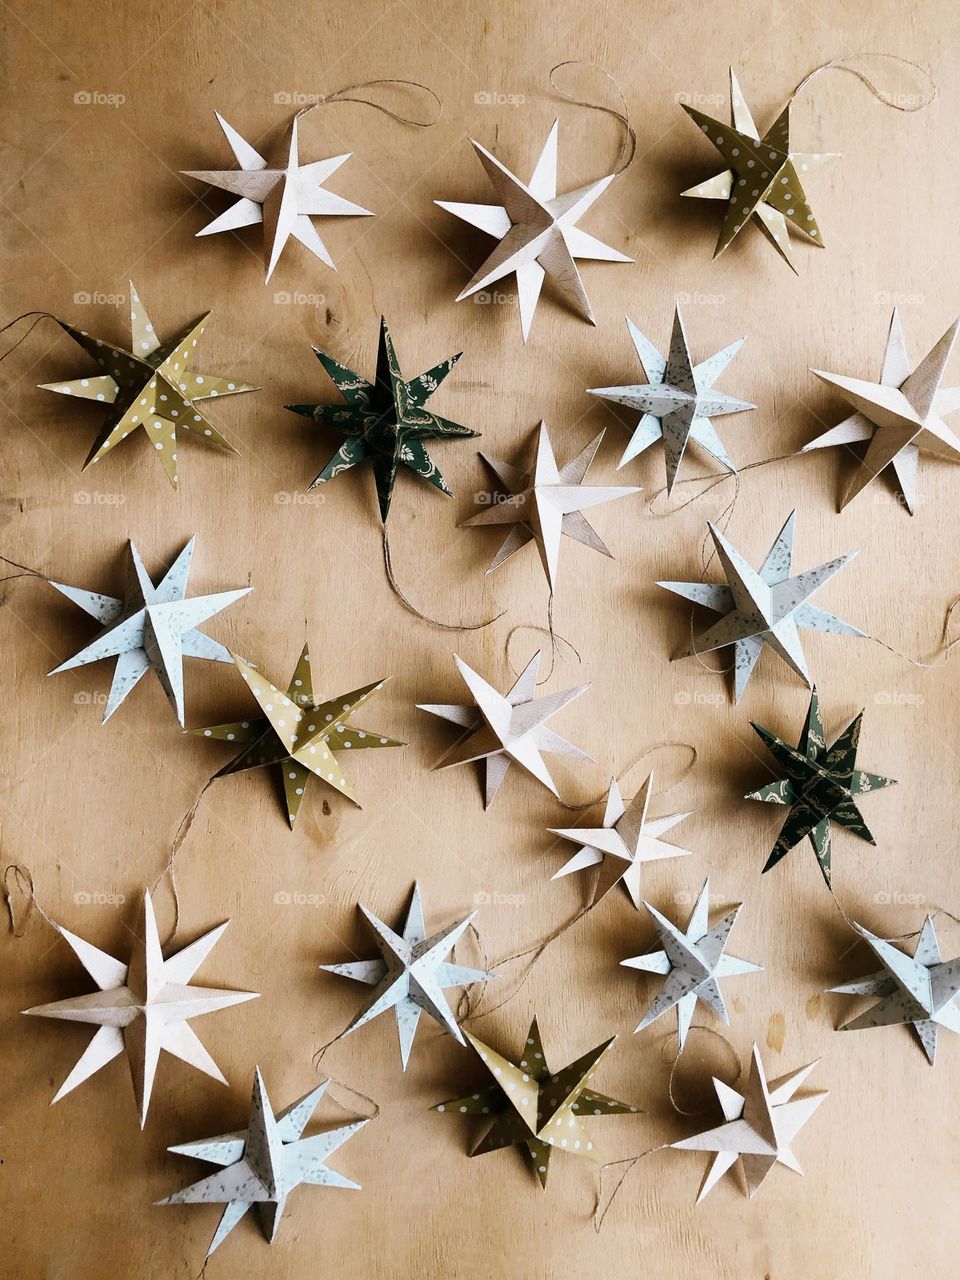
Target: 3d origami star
(763, 179)
(142, 1008)
(384, 421)
(150, 386)
(502, 729)
(761, 607)
(693, 963)
(677, 401)
(534, 1107)
(921, 990)
(626, 840)
(411, 975)
(154, 625)
(820, 786)
(261, 1165)
(283, 198)
(537, 232)
(760, 1125)
(296, 733)
(546, 503)
(900, 416)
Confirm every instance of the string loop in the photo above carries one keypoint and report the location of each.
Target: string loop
(888, 100)
(628, 142)
(350, 93)
(412, 608)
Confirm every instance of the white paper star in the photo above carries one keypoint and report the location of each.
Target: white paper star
(283, 198)
(152, 626)
(693, 962)
(627, 839)
(142, 1008)
(411, 974)
(507, 728)
(537, 232)
(261, 1165)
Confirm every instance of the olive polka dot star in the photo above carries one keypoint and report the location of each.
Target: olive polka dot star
(149, 387)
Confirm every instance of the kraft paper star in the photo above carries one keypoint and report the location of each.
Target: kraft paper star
(677, 401)
(900, 416)
(503, 729)
(534, 1107)
(282, 198)
(693, 962)
(761, 1123)
(537, 232)
(142, 1008)
(763, 607)
(384, 421)
(626, 840)
(150, 387)
(921, 989)
(762, 182)
(411, 975)
(546, 504)
(820, 786)
(261, 1165)
(298, 734)
(154, 625)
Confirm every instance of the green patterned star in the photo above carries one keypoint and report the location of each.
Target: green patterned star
(384, 420)
(820, 785)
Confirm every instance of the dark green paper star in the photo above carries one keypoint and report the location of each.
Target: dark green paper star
(384, 420)
(820, 785)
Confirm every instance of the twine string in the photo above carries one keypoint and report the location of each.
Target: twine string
(183, 830)
(412, 608)
(351, 93)
(845, 64)
(37, 316)
(675, 1063)
(374, 1106)
(628, 140)
(24, 570)
(22, 878)
(600, 1210)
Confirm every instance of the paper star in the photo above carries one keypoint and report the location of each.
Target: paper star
(921, 990)
(677, 401)
(261, 1165)
(693, 963)
(537, 232)
(282, 198)
(534, 1107)
(411, 975)
(384, 420)
(154, 625)
(626, 840)
(142, 1008)
(900, 415)
(820, 787)
(149, 387)
(763, 179)
(763, 607)
(546, 504)
(296, 733)
(507, 728)
(760, 1125)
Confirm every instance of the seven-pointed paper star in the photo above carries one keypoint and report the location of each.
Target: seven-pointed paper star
(763, 179)
(693, 962)
(921, 989)
(411, 975)
(142, 1008)
(282, 198)
(502, 729)
(677, 401)
(626, 840)
(900, 415)
(546, 503)
(761, 1123)
(820, 786)
(384, 421)
(152, 626)
(534, 1107)
(296, 733)
(261, 1165)
(765, 606)
(537, 232)
(150, 386)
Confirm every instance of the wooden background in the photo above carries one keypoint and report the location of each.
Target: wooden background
(92, 197)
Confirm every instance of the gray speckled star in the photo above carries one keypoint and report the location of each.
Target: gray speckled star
(262, 1165)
